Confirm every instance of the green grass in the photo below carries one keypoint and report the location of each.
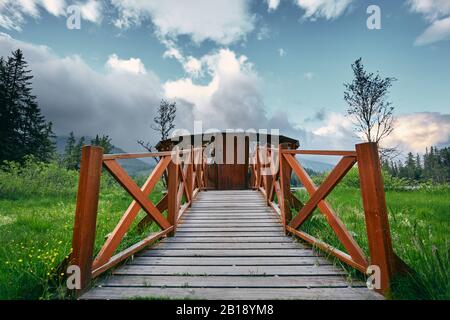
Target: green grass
(420, 225)
(36, 220)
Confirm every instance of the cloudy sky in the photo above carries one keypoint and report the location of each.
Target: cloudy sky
(233, 64)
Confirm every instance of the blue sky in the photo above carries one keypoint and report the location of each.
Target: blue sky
(233, 64)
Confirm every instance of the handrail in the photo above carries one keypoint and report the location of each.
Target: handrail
(374, 203)
(136, 155)
(184, 178)
(322, 152)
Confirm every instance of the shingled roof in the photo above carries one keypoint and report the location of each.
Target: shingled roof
(168, 144)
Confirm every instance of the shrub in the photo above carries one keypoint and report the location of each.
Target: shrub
(34, 178)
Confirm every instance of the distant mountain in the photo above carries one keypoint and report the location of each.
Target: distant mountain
(134, 167)
(137, 167)
(316, 166)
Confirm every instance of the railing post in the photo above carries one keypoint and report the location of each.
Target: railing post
(285, 185)
(267, 177)
(172, 192)
(376, 214)
(189, 175)
(86, 212)
(257, 169)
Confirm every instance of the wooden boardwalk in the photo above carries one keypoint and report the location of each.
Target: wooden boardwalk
(229, 245)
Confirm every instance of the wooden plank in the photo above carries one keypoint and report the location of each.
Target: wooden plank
(231, 282)
(233, 293)
(231, 234)
(230, 270)
(229, 239)
(231, 229)
(232, 224)
(214, 213)
(230, 220)
(190, 220)
(231, 253)
(229, 261)
(214, 246)
(237, 216)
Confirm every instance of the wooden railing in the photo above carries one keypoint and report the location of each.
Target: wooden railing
(272, 169)
(185, 177)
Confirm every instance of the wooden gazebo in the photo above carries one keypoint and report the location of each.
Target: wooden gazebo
(228, 161)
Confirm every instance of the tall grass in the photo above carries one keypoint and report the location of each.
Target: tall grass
(37, 205)
(419, 221)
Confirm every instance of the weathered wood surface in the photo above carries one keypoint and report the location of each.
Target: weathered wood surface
(229, 245)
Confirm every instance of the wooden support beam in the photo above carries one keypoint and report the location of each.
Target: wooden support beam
(333, 220)
(121, 256)
(344, 257)
(320, 193)
(86, 212)
(130, 186)
(172, 193)
(376, 214)
(161, 206)
(189, 176)
(127, 219)
(285, 185)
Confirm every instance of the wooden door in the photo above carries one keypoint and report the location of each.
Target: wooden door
(233, 176)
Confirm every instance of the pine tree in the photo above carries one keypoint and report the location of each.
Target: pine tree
(410, 166)
(69, 160)
(418, 175)
(24, 130)
(104, 142)
(445, 156)
(77, 153)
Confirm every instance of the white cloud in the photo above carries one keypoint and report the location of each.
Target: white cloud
(273, 4)
(337, 125)
(193, 66)
(13, 13)
(222, 21)
(439, 30)
(122, 103)
(437, 12)
(77, 98)
(91, 10)
(55, 7)
(132, 65)
(431, 9)
(231, 98)
(281, 52)
(412, 132)
(328, 9)
(417, 131)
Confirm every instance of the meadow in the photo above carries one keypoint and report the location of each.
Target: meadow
(419, 219)
(37, 205)
(37, 209)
